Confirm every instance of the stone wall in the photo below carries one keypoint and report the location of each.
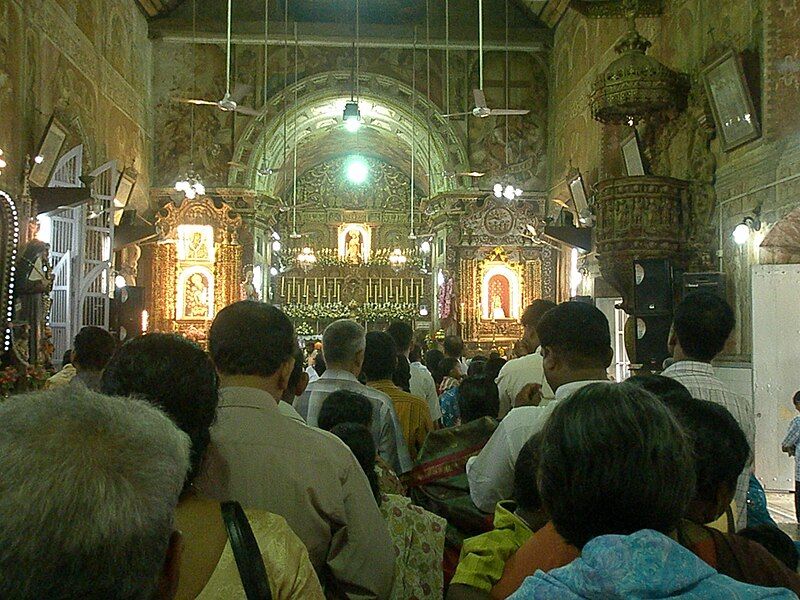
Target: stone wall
(86, 61)
(686, 37)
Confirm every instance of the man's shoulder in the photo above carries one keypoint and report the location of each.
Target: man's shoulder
(527, 417)
(522, 363)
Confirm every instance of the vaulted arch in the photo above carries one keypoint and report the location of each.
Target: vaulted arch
(389, 127)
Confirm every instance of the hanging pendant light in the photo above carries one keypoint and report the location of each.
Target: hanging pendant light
(190, 184)
(506, 187)
(352, 113)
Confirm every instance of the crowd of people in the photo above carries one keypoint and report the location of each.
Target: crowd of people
(376, 467)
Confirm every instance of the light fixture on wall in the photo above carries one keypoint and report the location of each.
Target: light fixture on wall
(306, 259)
(507, 191)
(741, 233)
(3, 163)
(425, 247)
(397, 260)
(276, 245)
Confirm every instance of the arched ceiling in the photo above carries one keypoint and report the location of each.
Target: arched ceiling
(316, 124)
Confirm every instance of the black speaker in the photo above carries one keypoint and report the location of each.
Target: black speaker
(653, 296)
(652, 334)
(652, 290)
(128, 306)
(703, 282)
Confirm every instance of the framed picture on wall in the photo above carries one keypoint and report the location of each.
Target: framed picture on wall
(578, 191)
(49, 151)
(731, 102)
(632, 156)
(127, 179)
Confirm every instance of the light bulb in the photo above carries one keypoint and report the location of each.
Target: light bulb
(200, 188)
(425, 247)
(190, 193)
(741, 233)
(120, 282)
(276, 246)
(498, 189)
(352, 125)
(3, 164)
(273, 271)
(38, 159)
(357, 170)
(509, 192)
(518, 192)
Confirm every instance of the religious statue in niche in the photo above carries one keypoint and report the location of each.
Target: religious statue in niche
(354, 247)
(499, 291)
(500, 287)
(248, 287)
(197, 300)
(355, 240)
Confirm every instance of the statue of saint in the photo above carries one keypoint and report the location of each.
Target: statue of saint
(354, 248)
(196, 299)
(250, 291)
(497, 308)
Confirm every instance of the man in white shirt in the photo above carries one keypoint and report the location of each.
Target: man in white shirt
(576, 351)
(701, 326)
(519, 372)
(422, 383)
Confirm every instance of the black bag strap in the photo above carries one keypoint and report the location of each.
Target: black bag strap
(246, 552)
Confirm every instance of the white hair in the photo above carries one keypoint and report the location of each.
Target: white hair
(341, 341)
(88, 490)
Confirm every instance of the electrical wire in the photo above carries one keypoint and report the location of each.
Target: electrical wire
(228, 66)
(412, 235)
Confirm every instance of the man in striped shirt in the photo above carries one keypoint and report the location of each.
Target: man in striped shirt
(343, 344)
(701, 326)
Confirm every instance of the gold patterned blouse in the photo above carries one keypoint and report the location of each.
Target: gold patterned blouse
(290, 573)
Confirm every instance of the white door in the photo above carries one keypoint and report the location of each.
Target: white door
(64, 242)
(776, 376)
(92, 284)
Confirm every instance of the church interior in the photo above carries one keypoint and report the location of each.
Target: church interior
(439, 162)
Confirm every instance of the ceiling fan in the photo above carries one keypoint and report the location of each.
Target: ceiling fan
(230, 101)
(482, 109)
(263, 170)
(463, 174)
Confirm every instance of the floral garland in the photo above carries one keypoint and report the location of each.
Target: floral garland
(329, 257)
(11, 381)
(446, 299)
(303, 314)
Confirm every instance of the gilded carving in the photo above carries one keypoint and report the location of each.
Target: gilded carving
(638, 217)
